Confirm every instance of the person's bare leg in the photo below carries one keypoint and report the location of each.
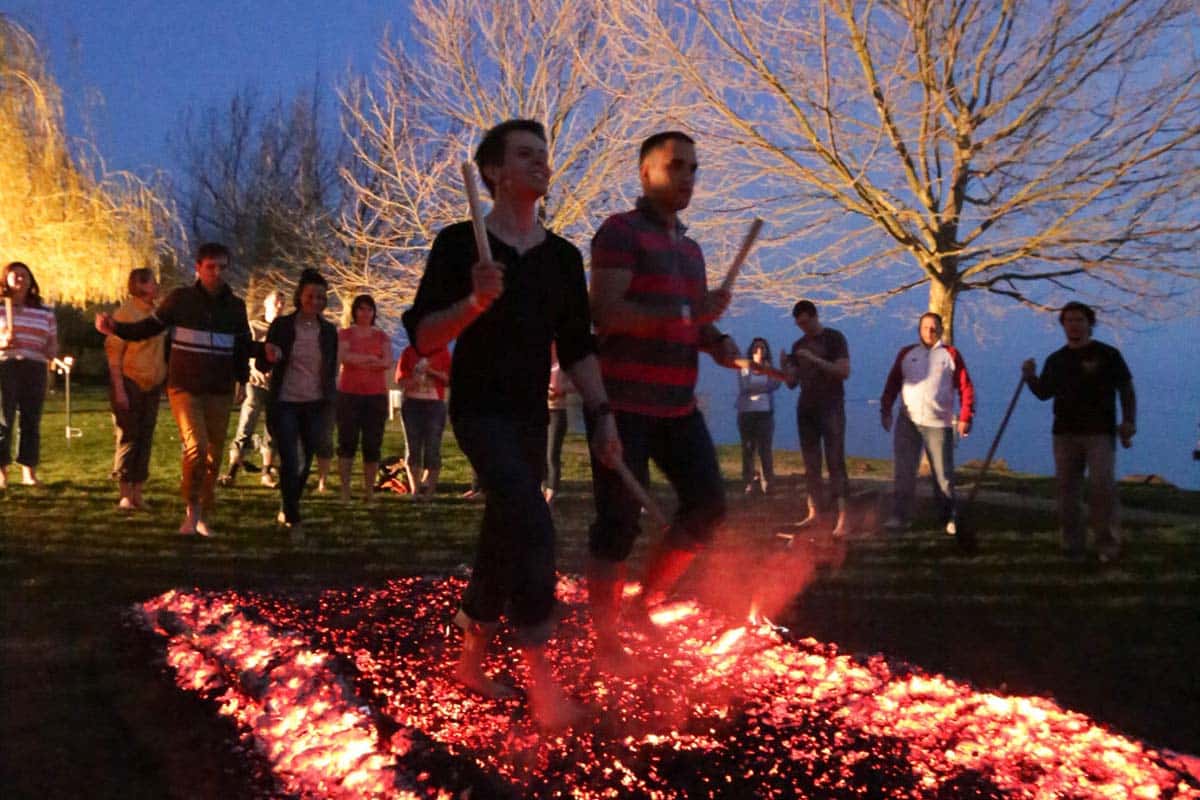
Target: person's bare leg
(469, 669)
(322, 473)
(551, 707)
(126, 502)
(811, 517)
(4, 477)
(345, 472)
(429, 484)
(606, 590)
(139, 500)
(370, 472)
(190, 517)
(666, 567)
(843, 523)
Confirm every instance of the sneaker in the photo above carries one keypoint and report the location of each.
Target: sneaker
(895, 524)
(951, 528)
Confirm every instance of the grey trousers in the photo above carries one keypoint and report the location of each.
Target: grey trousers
(1095, 454)
(910, 440)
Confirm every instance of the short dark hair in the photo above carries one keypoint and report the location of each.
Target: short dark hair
(1082, 308)
(212, 250)
(364, 300)
(33, 295)
(490, 152)
(804, 307)
(938, 317)
(657, 140)
(139, 275)
(308, 277)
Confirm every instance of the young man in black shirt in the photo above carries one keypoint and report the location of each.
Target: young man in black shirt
(504, 314)
(1085, 377)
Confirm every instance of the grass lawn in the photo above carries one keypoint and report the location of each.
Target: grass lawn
(86, 709)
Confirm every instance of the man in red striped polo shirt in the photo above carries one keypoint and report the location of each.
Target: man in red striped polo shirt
(653, 313)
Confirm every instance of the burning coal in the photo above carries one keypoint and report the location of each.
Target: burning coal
(347, 695)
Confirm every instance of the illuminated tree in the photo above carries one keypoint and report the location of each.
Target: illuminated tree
(466, 67)
(1019, 150)
(79, 228)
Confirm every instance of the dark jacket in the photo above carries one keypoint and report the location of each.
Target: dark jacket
(282, 334)
(210, 338)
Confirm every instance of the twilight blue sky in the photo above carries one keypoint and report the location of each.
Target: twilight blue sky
(128, 71)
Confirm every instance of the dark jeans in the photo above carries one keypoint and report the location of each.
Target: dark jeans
(683, 450)
(556, 434)
(515, 561)
(135, 432)
(424, 423)
(823, 427)
(297, 429)
(251, 410)
(22, 391)
(756, 429)
(361, 415)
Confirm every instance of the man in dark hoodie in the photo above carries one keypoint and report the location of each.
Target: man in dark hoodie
(210, 351)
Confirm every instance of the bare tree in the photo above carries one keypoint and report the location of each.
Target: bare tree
(1027, 150)
(264, 181)
(472, 66)
(79, 227)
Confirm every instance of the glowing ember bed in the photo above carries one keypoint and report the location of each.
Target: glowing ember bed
(346, 695)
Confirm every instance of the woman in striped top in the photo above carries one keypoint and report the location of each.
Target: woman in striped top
(28, 342)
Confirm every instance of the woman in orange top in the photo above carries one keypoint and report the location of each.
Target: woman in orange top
(423, 409)
(364, 353)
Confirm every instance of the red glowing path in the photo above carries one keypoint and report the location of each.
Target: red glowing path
(346, 696)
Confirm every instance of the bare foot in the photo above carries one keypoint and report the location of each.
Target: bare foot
(811, 519)
(188, 526)
(202, 529)
(842, 528)
(477, 681)
(553, 709)
(29, 476)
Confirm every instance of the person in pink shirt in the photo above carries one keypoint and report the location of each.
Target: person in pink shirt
(423, 379)
(364, 357)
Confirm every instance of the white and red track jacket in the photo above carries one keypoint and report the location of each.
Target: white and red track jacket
(926, 380)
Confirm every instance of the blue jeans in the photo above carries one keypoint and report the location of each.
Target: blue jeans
(424, 424)
(297, 429)
(22, 391)
(683, 450)
(826, 427)
(910, 440)
(251, 409)
(756, 430)
(515, 562)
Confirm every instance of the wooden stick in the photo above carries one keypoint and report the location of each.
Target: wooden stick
(637, 490)
(743, 251)
(472, 187)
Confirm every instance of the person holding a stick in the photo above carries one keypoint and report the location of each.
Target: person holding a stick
(654, 314)
(505, 310)
(1085, 378)
(926, 376)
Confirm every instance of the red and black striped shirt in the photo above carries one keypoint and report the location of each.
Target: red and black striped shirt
(653, 373)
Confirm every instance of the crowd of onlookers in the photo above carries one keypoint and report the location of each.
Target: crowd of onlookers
(307, 380)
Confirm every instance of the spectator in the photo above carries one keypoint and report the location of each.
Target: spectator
(365, 354)
(303, 385)
(560, 389)
(423, 381)
(926, 376)
(136, 372)
(756, 416)
(28, 343)
(210, 348)
(1085, 378)
(254, 404)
